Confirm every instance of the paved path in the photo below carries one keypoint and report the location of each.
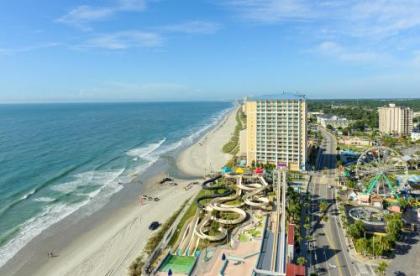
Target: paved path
(407, 257)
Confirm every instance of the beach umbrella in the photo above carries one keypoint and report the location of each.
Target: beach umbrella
(259, 170)
(226, 170)
(239, 171)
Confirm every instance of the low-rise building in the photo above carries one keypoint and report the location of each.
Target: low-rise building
(315, 114)
(295, 270)
(355, 141)
(334, 121)
(291, 242)
(415, 136)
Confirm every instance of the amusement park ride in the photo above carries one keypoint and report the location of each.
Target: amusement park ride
(377, 166)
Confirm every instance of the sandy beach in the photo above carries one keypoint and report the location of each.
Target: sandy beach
(206, 155)
(109, 247)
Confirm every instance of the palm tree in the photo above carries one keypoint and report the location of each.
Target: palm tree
(381, 269)
(381, 244)
(301, 261)
(323, 205)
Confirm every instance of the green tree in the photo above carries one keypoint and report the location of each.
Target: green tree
(362, 246)
(301, 261)
(381, 269)
(357, 230)
(403, 203)
(394, 225)
(323, 206)
(380, 245)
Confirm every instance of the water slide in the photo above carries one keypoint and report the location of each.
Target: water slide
(184, 245)
(216, 204)
(252, 196)
(253, 191)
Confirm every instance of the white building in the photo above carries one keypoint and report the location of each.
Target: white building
(415, 136)
(334, 121)
(395, 120)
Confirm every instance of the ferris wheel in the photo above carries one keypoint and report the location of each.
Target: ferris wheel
(376, 165)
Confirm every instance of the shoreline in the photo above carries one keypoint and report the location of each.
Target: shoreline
(109, 239)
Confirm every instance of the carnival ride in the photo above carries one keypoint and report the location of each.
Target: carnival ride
(376, 166)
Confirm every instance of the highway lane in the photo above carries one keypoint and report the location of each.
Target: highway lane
(330, 256)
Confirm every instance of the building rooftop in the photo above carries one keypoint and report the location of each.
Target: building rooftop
(281, 96)
(331, 117)
(295, 270)
(291, 234)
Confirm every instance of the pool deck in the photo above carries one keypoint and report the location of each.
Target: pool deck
(215, 264)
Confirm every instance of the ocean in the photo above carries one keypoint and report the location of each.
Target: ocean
(57, 158)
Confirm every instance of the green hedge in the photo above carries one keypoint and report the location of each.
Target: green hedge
(232, 146)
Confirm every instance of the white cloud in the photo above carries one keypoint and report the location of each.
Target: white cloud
(192, 27)
(9, 51)
(124, 40)
(379, 18)
(84, 14)
(384, 17)
(374, 30)
(335, 50)
(270, 11)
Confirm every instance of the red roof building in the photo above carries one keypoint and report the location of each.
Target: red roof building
(290, 242)
(291, 234)
(295, 270)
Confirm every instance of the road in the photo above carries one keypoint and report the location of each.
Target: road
(328, 254)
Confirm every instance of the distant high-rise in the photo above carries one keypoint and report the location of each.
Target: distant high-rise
(395, 120)
(276, 131)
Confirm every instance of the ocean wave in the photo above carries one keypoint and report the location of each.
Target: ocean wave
(44, 199)
(38, 188)
(101, 178)
(109, 183)
(195, 133)
(34, 227)
(145, 151)
(27, 195)
(54, 213)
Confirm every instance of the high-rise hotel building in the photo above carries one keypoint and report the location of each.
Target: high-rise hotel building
(276, 131)
(395, 120)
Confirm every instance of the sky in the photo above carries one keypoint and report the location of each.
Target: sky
(165, 50)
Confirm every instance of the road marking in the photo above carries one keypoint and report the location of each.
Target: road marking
(325, 257)
(337, 261)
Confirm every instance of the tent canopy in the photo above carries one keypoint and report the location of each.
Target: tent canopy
(226, 169)
(259, 170)
(239, 170)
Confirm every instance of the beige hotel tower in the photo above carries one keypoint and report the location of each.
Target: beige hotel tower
(276, 131)
(395, 120)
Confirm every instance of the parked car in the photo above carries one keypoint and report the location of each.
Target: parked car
(154, 225)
